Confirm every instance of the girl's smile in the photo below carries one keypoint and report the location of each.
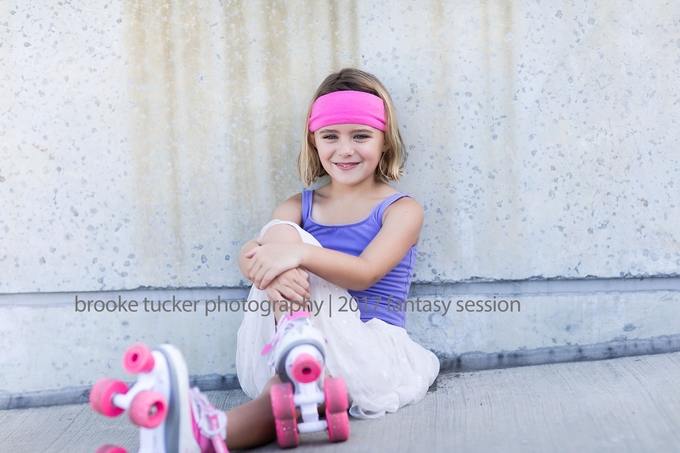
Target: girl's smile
(346, 166)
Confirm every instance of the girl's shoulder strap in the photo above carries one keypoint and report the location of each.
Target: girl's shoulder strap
(307, 197)
(382, 207)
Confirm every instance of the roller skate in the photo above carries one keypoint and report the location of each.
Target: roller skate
(172, 418)
(297, 354)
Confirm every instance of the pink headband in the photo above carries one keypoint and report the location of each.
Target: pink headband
(343, 107)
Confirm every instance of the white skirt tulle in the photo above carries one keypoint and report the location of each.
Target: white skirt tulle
(383, 368)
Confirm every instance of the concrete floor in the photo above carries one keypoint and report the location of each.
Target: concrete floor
(630, 404)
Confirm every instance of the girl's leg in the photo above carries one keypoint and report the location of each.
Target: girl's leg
(252, 424)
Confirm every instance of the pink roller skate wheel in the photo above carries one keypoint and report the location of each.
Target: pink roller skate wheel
(286, 433)
(283, 405)
(138, 359)
(338, 426)
(335, 393)
(101, 396)
(148, 409)
(283, 408)
(110, 449)
(305, 369)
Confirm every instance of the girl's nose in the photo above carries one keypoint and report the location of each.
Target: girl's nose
(346, 148)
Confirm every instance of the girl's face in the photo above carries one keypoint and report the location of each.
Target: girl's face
(350, 153)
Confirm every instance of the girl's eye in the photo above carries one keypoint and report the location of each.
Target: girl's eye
(361, 137)
(329, 137)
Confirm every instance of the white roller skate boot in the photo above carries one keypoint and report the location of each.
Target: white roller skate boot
(172, 417)
(297, 354)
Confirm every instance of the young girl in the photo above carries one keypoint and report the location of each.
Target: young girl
(347, 251)
(368, 234)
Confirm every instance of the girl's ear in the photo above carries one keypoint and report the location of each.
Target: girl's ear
(385, 146)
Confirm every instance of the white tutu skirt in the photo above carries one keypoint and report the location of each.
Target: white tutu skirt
(383, 368)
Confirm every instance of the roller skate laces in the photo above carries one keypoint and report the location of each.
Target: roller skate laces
(286, 323)
(209, 424)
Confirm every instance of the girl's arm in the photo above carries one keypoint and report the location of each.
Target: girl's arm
(291, 284)
(402, 223)
(242, 260)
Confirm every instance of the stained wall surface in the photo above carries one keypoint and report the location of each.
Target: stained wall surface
(143, 142)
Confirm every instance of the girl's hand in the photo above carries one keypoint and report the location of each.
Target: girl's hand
(268, 261)
(292, 285)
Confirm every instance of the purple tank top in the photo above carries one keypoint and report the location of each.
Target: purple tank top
(382, 299)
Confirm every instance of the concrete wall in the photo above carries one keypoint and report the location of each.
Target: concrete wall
(143, 142)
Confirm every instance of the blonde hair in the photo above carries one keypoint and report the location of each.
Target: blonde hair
(392, 161)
